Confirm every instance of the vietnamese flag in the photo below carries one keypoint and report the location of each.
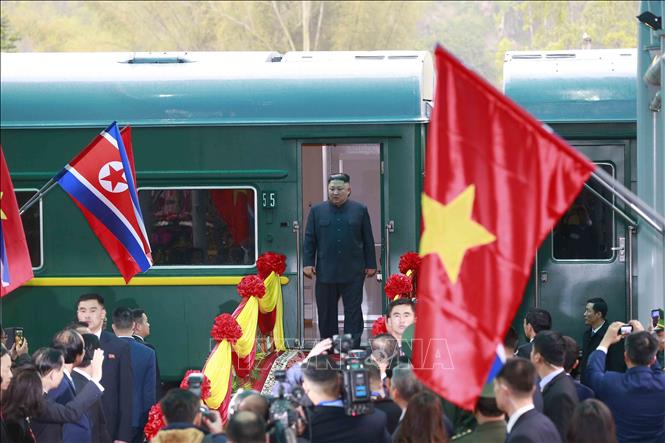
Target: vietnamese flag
(15, 265)
(496, 182)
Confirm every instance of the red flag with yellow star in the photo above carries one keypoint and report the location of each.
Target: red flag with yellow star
(15, 265)
(496, 182)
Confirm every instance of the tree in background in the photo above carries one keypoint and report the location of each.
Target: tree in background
(8, 37)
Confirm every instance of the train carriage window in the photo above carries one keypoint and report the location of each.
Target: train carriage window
(586, 230)
(200, 227)
(32, 226)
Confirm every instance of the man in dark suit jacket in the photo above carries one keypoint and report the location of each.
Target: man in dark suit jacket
(513, 389)
(559, 393)
(535, 320)
(595, 314)
(571, 363)
(117, 379)
(636, 396)
(143, 371)
(339, 250)
(140, 333)
(328, 423)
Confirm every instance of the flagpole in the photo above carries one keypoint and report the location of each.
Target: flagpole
(42, 192)
(648, 214)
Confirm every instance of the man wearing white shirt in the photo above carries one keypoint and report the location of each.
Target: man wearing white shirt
(559, 394)
(513, 389)
(595, 316)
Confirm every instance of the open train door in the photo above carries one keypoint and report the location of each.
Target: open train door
(589, 252)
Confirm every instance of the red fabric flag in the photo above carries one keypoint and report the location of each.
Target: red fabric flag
(496, 181)
(15, 265)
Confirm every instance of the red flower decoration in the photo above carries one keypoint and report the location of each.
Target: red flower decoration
(269, 262)
(397, 285)
(379, 326)
(251, 286)
(226, 328)
(205, 386)
(409, 262)
(155, 422)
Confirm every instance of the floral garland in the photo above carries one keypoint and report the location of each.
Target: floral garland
(409, 262)
(225, 328)
(205, 386)
(398, 285)
(379, 326)
(251, 286)
(270, 262)
(155, 422)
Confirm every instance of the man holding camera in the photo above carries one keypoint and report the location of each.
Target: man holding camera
(636, 396)
(339, 250)
(328, 422)
(183, 418)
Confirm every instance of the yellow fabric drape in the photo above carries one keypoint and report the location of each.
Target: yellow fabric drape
(248, 319)
(273, 300)
(218, 371)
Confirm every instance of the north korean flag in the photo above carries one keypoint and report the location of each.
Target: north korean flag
(101, 181)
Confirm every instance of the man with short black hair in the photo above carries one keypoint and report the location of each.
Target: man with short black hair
(559, 394)
(535, 320)
(595, 314)
(635, 397)
(328, 421)
(117, 368)
(246, 427)
(140, 333)
(491, 420)
(513, 389)
(339, 250)
(401, 313)
(183, 418)
(571, 362)
(143, 371)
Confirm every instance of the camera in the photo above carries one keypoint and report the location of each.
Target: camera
(283, 416)
(626, 330)
(357, 398)
(194, 382)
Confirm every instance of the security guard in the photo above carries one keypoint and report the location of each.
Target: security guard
(339, 250)
(491, 420)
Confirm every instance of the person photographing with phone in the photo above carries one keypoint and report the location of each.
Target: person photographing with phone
(636, 396)
(17, 345)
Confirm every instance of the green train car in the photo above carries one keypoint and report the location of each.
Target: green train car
(231, 150)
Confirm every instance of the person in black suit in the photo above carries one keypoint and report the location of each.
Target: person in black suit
(382, 401)
(327, 420)
(339, 250)
(535, 320)
(571, 363)
(595, 313)
(117, 378)
(81, 375)
(143, 371)
(636, 396)
(559, 393)
(513, 389)
(140, 333)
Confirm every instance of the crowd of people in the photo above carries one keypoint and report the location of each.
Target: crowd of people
(93, 385)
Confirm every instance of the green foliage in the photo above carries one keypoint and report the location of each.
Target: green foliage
(8, 38)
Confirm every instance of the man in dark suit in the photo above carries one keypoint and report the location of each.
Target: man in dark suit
(339, 250)
(117, 379)
(559, 394)
(140, 333)
(636, 396)
(513, 389)
(143, 371)
(571, 363)
(595, 313)
(82, 375)
(328, 423)
(535, 320)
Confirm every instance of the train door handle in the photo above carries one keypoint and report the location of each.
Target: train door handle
(543, 277)
(621, 248)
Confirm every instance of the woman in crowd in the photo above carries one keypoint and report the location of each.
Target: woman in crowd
(21, 401)
(423, 421)
(592, 422)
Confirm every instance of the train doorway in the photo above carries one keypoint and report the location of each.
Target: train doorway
(362, 162)
(589, 252)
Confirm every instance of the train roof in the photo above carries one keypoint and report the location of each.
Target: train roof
(214, 88)
(574, 86)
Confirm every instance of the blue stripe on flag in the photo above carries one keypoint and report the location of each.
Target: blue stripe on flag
(105, 215)
(498, 364)
(113, 131)
(4, 262)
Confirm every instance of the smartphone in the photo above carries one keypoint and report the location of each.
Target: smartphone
(14, 335)
(626, 330)
(18, 337)
(655, 317)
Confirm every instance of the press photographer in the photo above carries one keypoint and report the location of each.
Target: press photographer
(185, 420)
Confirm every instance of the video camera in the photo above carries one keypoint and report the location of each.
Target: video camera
(356, 393)
(194, 382)
(283, 415)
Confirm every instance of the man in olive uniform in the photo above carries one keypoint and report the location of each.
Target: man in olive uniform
(491, 420)
(339, 250)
